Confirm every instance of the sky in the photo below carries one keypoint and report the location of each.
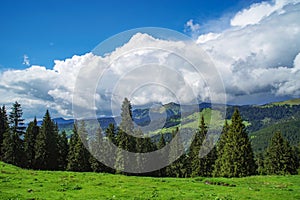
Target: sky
(254, 46)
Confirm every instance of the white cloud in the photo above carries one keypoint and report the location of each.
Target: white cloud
(26, 60)
(259, 11)
(257, 59)
(192, 27)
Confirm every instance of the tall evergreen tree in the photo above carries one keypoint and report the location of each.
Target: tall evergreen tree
(279, 157)
(29, 142)
(161, 144)
(179, 167)
(72, 163)
(3, 127)
(63, 147)
(46, 149)
(109, 152)
(125, 139)
(13, 147)
(237, 159)
(97, 152)
(220, 149)
(81, 155)
(202, 166)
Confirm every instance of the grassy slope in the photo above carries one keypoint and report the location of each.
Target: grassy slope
(17, 183)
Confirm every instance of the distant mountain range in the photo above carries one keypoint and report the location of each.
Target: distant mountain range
(261, 120)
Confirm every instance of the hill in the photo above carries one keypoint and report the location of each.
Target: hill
(16, 183)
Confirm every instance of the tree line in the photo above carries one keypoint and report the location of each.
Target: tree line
(45, 148)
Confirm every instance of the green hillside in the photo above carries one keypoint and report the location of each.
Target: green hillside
(289, 129)
(290, 102)
(16, 183)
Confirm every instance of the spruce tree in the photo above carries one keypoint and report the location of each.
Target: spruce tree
(72, 163)
(237, 159)
(178, 168)
(63, 148)
(13, 147)
(97, 152)
(220, 149)
(46, 149)
(279, 157)
(3, 127)
(125, 139)
(161, 144)
(81, 153)
(109, 152)
(202, 166)
(29, 142)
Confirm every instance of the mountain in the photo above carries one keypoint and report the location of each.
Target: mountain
(261, 120)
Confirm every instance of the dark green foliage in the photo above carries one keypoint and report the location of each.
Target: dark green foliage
(3, 127)
(125, 139)
(237, 158)
(71, 166)
(279, 157)
(202, 153)
(97, 151)
(29, 142)
(289, 129)
(179, 167)
(109, 151)
(63, 148)
(79, 155)
(46, 146)
(13, 147)
(220, 149)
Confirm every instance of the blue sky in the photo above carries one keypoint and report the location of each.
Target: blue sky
(254, 46)
(46, 30)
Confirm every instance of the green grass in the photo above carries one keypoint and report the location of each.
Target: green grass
(16, 183)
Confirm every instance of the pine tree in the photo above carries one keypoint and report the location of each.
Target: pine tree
(279, 157)
(63, 148)
(178, 168)
(220, 149)
(13, 147)
(46, 149)
(161, 144)
(109, 152)
(29, 142)
(125, 139)
(97, 152)
(202, 166)
(72, 163)
(3, 127)
(237, 159)
(79, 155)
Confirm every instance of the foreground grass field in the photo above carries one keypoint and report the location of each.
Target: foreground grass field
(16, 183)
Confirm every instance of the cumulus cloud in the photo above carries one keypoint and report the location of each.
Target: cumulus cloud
(259, 11)
(191, 27)
(258, 59)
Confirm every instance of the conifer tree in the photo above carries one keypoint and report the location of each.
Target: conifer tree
(13, 147)
(202, 166)
(125, 139)
(72, 163)
(279, 157)
(97, 151)
(237, 158)
(178, 168)
(3, 127)
(63, 148)
(220, 149)
(161, 144)
(109, 152)
(46, 149)
(82, 155)
(29, 142)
